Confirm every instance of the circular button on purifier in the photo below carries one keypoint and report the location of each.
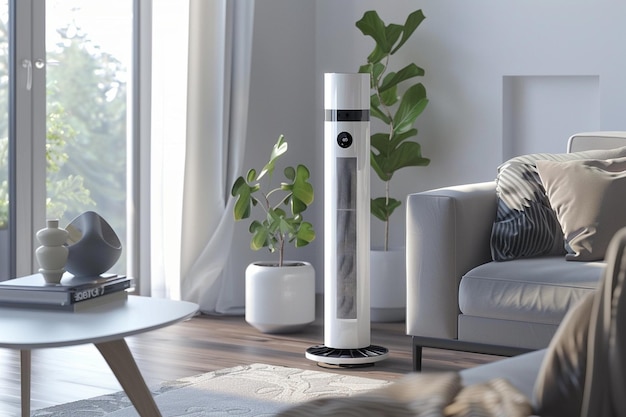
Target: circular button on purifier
(344, 140)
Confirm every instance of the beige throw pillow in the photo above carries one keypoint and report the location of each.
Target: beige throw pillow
(589, 199)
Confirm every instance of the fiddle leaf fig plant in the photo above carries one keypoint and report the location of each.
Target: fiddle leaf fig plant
(392, 150)
(282, 205)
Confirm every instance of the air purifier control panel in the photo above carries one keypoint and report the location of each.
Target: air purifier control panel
(344, 140)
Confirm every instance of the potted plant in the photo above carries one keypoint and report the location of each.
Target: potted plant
(391, 150)
(280, 295)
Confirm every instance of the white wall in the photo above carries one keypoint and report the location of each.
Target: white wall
(503, 78)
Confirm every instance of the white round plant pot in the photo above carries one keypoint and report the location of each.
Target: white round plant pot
(387, 285)
(280, 299)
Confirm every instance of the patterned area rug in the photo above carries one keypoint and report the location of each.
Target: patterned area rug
(251, 390)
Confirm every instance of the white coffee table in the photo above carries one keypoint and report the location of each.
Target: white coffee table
(105, 327)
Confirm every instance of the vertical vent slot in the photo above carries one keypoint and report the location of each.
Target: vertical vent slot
(346, 238)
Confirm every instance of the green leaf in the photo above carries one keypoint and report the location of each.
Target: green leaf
(377, 70)
(377, 209)
(251, 177)
(377, 55)
(411, 106)
(382, 208)
(279, 149)
(406, 73)
(392, 34)
(260, 236)
(243, 192)
(376, 112)
(377, 168)
(285, 226)
(365, 69)
(399, 138)
(380, 142)
(290, 173)
(274, 219)
(407, 154)
(412, 22)
(304, 235)
(372, 25)
(302, 190)
(390, 97)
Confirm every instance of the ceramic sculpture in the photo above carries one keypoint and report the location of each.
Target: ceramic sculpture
(93, 245)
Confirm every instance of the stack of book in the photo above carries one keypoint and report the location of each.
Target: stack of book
(72, 294)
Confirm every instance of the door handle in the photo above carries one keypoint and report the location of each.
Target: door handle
(28, 65)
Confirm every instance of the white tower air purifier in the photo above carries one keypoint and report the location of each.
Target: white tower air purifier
(346, 225)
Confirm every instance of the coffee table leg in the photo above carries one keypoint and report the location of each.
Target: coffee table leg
(120, 360)
(25, 361)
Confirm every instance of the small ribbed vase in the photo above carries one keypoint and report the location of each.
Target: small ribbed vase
(52, 254)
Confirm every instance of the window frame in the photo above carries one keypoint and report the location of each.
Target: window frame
(27, 136)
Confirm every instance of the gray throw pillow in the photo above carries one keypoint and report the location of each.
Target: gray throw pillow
(558, 390)
(525, 224)
(589, 199)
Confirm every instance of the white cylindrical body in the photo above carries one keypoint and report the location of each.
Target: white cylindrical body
(346, 211)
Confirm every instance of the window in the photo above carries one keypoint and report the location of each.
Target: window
(65, 105)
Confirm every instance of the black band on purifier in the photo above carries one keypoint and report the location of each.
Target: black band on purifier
(347, 115)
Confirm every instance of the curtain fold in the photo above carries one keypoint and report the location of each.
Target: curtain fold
(220, 40)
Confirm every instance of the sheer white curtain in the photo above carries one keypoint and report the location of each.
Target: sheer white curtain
(192, 217)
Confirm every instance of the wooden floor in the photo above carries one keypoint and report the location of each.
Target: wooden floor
(202, 344)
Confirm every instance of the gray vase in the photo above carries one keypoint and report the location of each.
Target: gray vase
(93, 245)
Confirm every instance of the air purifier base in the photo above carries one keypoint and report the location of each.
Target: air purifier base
(327, 357)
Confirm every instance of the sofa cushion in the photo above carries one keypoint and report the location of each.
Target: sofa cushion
(589, 198)
(558, 391)
(525, 224)
(539, 290)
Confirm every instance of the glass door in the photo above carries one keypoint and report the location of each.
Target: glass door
(89, 63)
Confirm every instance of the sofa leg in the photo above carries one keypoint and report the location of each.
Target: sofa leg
(417, 357)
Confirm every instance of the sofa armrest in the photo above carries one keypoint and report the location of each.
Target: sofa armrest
(448, 233)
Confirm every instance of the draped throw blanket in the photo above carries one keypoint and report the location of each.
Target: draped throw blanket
(423, 395)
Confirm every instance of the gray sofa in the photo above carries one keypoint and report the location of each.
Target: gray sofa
(458, 298)
(582, 372)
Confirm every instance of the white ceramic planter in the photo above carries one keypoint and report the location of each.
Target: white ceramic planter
(280, 299)
(387, 285)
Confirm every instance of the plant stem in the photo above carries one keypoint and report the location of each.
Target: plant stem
(387, 219)
(281, 250)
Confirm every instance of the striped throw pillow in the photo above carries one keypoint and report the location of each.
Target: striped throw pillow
(525, 224)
